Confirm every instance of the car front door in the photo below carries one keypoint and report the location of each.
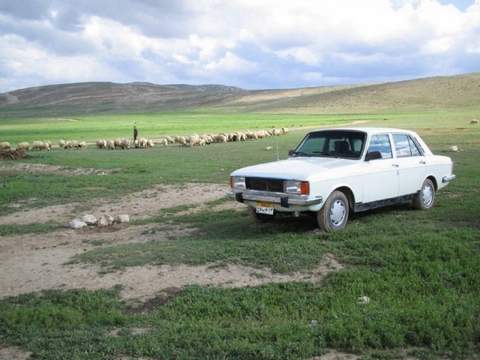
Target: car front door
(411, 164)
(380, 179)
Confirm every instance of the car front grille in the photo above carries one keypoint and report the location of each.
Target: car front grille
(264, 184)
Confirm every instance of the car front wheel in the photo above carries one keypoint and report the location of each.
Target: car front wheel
(334, 214)
(425, 198)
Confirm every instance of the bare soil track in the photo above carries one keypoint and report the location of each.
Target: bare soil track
(35, 262)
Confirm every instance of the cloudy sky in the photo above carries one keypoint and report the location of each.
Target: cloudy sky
(247, 43)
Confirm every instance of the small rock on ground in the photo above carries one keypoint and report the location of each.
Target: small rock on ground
(89, 219)
(123, 218)
(77, 224)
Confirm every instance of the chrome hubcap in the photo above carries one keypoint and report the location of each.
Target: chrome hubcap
(338, 212)
(427, 195)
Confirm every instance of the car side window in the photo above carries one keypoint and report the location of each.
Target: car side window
(402, 145)
(381, 143)
(415, 151)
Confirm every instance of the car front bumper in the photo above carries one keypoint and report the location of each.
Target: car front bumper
(284, 202)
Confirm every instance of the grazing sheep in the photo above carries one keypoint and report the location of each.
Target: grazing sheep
(251, 135)
(276, 132)
(123, 144)
(261, 134)
(285, 131)
(209, 139)
(140, 143)
(150, 143)
(117, 143)
(220, 138)
(40, 145)
(453, 148)
(62, 143)
(5, 145)
(170, 139)
(74, 144)
(162, 142)
(82, 145)
(182, 140)
(101, 144)
(23, 146)
(193, 140)
(110, 145)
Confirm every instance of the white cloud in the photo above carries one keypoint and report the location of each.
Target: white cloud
(241, 42)
(231, 63)
(22, 60)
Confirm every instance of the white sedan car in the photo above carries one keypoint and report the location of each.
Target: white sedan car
(335, 172)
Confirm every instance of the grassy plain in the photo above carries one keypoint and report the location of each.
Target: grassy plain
(93, 127)
(420, 269)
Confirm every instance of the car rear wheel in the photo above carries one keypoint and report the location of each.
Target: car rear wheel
(261, 218)
(334, 214)
(425, 198)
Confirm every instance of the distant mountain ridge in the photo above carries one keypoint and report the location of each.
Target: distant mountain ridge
(105, 97)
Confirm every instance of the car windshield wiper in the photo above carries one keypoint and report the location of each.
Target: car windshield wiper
(321, 153)
(300, 153)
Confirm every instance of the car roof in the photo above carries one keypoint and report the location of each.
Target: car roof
(369, 130)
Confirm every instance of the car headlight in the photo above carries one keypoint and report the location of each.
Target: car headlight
(296, 187)
(238, 182)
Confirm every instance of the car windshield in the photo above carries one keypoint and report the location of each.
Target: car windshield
(332, 143)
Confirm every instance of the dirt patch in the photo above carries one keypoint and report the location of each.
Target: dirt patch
(336, 355)
(13, 353)
(53, 169)
(54, 213)
(30, 263)
(139, 205)
(228, 205)
(144, 283)
(147, 203)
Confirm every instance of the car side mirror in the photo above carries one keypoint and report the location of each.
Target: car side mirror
(291, 152)
(373, 155)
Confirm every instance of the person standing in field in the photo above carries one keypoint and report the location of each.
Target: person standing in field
(135, 135)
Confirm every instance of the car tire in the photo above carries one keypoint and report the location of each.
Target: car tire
(425, 198)
(260, 218)
(334, 214)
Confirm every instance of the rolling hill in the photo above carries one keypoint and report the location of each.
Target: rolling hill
(435, 93)
(98, 97)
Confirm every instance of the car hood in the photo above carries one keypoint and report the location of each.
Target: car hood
(299, 168)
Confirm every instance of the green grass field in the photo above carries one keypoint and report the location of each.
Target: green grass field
(91, 128)
(420, 269)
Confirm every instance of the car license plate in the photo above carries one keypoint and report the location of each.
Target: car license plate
(264, 208)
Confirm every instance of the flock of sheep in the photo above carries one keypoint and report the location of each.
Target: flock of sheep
(124, 144)
(199, 140)
(192, 140)
(44, 145)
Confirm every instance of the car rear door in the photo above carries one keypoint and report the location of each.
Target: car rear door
(411, 164)
(380, 179)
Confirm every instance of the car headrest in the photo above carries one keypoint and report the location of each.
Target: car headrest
(341, 147)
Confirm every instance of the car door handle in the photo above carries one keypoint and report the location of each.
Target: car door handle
(422, 162)
(395, 165)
